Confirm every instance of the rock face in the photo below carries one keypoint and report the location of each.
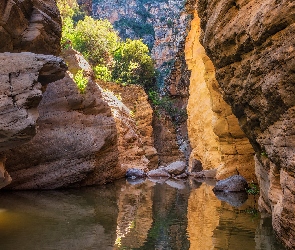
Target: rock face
(252, 46)
(30, 25)
(76, 143)
(22, 77)
(215, 136)
(133, 115)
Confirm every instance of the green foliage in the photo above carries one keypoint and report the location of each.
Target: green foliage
(103, 73)
(113, 60)
(96, 40)
(81, 81)
(170, 23)
(133, 64)
(253, 189)
(165, 104)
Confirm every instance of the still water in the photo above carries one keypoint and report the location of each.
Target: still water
(172, 215)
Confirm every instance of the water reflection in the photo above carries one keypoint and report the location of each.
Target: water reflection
(147, 215)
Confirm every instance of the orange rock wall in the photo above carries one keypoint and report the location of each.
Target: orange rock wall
(215, 136)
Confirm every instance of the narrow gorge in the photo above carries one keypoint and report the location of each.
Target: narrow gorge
(225, 77)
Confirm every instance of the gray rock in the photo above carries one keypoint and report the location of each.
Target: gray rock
(158, 173)
(195, 166)
(234, 183)
(211, 173)
(134, 173)
(176, 168)
(235, 199)
(181, 176)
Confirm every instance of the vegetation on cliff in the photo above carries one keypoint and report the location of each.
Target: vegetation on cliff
(125, 62)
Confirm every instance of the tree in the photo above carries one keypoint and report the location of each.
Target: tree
(133, 64)
(96, 40)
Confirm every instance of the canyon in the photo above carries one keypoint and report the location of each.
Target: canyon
(230, 63)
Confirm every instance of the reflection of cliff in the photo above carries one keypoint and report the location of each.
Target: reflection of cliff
(75, 219)
(203, 217)
(213, 224)
(168, 230)
(135, 215)
(215, 136)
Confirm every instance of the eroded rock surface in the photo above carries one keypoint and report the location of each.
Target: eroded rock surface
(22, 76)
(251, 44)
(76, 143)
(30, 25)
(216, 139)
(133, 115)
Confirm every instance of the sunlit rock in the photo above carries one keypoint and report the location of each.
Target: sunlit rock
(216, 138)
(251, 44)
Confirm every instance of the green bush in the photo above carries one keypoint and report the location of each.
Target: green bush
(133, 64)
(103, 73)
(112, 59)
(253, 189)
(81, 81)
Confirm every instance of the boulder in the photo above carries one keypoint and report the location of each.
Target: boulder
(134, 173)
(158, 173)
(235, 199)
(176, 168)
(236, 183)
(211, 173)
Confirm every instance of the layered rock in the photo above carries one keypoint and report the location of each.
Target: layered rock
(133, 115)
(215, 136)
(30, 25)
(22, 77)
(251, 44)
(76, 143)
(166, 140)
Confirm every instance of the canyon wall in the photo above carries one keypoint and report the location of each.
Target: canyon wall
(251, 45)
(30, 25)
(215, 136)
(34, 26)
(76, 141)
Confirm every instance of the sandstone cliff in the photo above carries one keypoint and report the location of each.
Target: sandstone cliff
(251, 44)
(30, 25)
(76, 142)
(216, 138)
(133, 115)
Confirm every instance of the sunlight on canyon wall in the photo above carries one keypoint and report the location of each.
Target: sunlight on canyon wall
(215, 135)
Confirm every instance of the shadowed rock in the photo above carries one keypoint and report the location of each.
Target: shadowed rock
(235, 199)
(234, 183)
(133, 173)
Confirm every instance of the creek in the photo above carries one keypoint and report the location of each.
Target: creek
(146, 215)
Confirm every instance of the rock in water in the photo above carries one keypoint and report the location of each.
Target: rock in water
(234, 183)
(235, 199)
(134, 173)
(176, 168)
(158, 173)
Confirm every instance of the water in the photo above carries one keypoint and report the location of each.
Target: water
(149, 215)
